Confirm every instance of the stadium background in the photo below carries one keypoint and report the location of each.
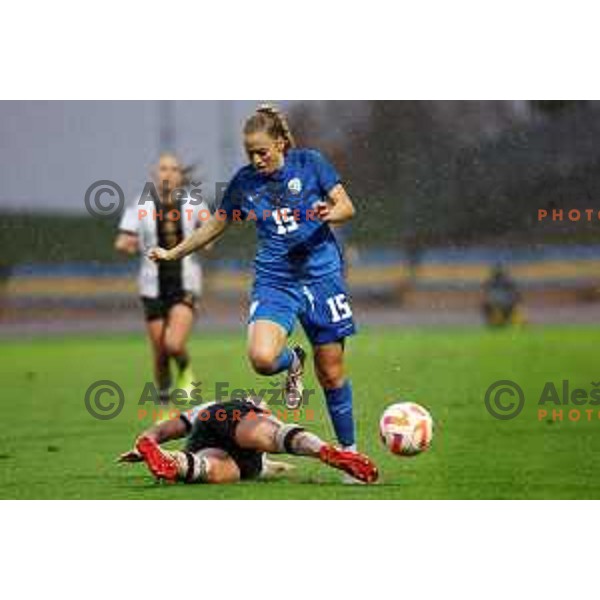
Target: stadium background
(444, 191)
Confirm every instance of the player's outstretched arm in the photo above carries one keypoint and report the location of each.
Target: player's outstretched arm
(212, 230)
(338, 209)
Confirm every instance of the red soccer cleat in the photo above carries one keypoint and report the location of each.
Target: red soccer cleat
(161, 463)
(357, 465)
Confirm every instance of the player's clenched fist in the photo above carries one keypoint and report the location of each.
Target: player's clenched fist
(158, 254)
(322, 210)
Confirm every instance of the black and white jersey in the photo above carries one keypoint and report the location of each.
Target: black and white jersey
(154, 225)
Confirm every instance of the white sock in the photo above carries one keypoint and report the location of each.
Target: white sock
(191, 467)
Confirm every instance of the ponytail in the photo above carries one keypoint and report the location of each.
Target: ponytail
(267, 118)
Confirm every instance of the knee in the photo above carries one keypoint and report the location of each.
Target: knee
(331, 382)
(262, 360)
(222, 472)
(173, 346)
(330, 375)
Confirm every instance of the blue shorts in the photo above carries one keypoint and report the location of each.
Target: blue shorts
(322, 307)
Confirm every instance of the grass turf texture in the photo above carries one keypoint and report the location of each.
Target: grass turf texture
(50, 447)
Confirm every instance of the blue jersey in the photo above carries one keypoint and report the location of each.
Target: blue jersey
(293, 245)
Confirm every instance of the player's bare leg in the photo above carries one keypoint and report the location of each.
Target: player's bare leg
(179, 325)
(266, 434)
(162, 373)
(210, 465)
(266, 342)
(269, 354)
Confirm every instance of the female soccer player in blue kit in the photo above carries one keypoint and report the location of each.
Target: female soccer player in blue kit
(293, 195)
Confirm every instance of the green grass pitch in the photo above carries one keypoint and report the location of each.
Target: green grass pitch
(50, 447)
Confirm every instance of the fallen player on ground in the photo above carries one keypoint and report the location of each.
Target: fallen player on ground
(227, 442)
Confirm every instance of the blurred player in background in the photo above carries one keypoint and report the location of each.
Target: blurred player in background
(226, 442)
(170, 290)
(294, 195)
(502, 299)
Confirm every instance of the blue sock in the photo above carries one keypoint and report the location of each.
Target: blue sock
(339, 404)
(283, 361)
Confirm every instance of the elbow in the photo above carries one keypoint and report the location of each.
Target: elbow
(121, 248)
(349, 212)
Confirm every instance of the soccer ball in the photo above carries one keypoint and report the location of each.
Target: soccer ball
(406, 428)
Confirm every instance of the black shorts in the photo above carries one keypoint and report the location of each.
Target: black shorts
(215, 427)
(158, 308)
